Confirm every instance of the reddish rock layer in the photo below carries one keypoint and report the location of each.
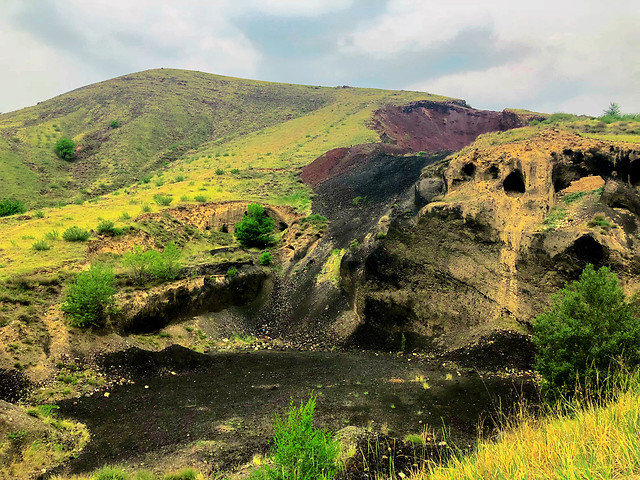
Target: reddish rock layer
(419, 126)
(437, 126)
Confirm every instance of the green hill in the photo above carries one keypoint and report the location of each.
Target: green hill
(189, 135)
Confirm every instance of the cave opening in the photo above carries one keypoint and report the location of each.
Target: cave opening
(514, 183)
(469, 169)
(492, 173)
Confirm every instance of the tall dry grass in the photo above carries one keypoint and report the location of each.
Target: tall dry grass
(578, 439)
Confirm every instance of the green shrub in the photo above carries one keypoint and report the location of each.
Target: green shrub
(75, 234)
(235, 171)
(107, 227)
(40, 246)
(589, 329)
(114, 124)
(146, 208)
(186, 474)
(301, 451)
(232, 272)
(162, 200)
(38, 214)
(315, 220)
(89, 296)
(125, 216)
(256, 228)
(265, 258)
(146, 179)
(65, 148)
(358, 200)
(200, 198)
(52, 235)
(11, 207)
(599, 220)
(110, 473)
(153, 265)
(219, 171)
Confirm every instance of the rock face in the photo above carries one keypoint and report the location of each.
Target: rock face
(149, 310)
(503, 224)
(441, 126)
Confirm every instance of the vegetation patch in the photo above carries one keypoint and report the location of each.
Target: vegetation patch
(89, 297)
(11, 207)
(144, 267)
(256, 227)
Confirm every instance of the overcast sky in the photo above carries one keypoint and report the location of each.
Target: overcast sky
(544, 55)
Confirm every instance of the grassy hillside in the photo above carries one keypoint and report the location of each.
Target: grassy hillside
(161, 114)
(192, 136)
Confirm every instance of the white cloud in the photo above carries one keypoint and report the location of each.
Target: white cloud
(591, 44)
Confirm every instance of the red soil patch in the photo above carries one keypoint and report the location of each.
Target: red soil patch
(419, 126)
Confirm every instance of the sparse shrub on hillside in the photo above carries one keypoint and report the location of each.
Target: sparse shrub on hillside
(11, 207)
(589, 329)
(219, 171)
(301, 451)
(110, 473)
(162, 200)
(200, 198)
(316, 221)
(107, 227)
(153, 265)
(89, 297)
(184, 474)
(599, 220)
(265, 258)
(38, 214)
(114, 124)
(75, 234)
(232, 272)
(256, 228)
(65, 148)
(145, 179)
(40, 246)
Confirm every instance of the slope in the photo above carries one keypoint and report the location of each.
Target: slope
(252, 151)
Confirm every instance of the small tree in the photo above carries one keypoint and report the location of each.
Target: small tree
(256, 228)
(613, 111)
(65, 148)
(90, 296)
(589, 328)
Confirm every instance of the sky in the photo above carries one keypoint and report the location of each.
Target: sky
(545, 55)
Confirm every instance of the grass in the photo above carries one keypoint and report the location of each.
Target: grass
(264, 148)
(580, 440)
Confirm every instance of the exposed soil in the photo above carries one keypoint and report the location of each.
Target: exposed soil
(441, 126)
(215, 411)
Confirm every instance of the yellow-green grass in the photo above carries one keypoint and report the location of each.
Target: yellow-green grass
(613, 137)
(162, 113)
(591, 441)
(267, 162)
